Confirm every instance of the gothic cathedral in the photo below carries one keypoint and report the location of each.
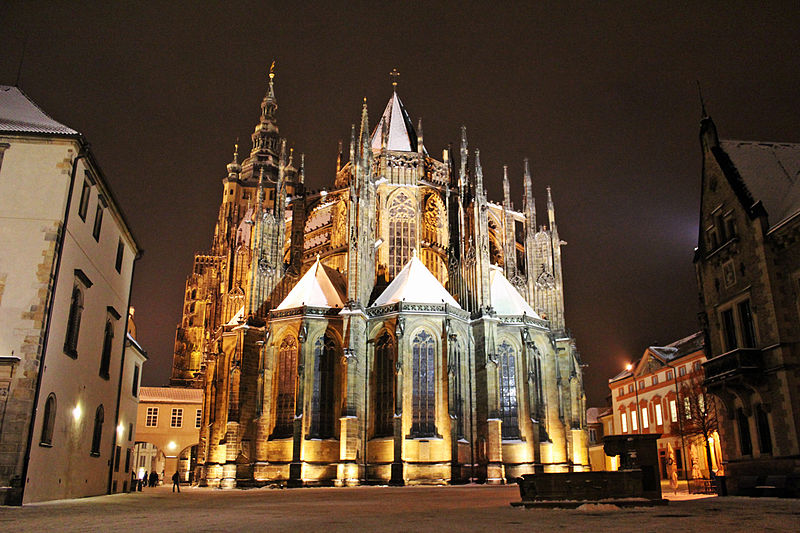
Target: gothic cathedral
(395, 328)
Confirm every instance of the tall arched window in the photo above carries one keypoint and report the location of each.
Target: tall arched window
(48, 420)
(508, 390)
(233, 396)
(74, 322)
(424, 385)
(97, 434)
(385, 357)
(287, 388)
(458, 393)
(105, 357)
(402, 231)
(322, 398)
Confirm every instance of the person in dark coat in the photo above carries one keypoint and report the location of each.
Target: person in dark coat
(176, 481)
(153, 482)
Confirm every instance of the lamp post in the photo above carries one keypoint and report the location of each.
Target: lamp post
(629, 368)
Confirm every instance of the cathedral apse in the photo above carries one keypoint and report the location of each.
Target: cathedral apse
(395, 328)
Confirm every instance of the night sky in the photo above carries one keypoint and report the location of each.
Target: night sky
(603, 100)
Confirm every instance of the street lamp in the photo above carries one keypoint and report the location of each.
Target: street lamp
(629, 368)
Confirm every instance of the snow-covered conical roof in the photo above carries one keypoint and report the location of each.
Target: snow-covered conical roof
(315, 289)
(506, 300)
(415, 284)
(402, 137)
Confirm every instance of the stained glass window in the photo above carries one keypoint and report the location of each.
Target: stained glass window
(402, 232)
(508, 391)
(322, 398)
(287, 387)
(423, 392)
(384, 385)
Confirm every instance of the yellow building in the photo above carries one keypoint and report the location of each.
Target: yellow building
(168, 423)
(397, 327)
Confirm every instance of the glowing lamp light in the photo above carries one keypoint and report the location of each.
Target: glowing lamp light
(77, 412)
(172, 445)
(120, 429)
(629, 367)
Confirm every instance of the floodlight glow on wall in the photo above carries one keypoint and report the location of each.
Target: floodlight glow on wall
(172, 445)
(77, 412)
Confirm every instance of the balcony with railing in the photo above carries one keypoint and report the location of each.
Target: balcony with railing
(738, 362)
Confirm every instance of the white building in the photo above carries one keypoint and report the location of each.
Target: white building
(66, 267)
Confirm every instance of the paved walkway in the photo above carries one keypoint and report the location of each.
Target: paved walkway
(464, 508)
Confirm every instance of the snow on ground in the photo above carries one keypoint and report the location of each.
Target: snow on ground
(461, 508)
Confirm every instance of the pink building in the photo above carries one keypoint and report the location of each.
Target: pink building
(659, 394)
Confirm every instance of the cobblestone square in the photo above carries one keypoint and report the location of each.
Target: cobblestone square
(453, 508)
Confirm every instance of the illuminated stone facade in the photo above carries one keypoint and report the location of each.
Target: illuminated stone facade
(380, 331)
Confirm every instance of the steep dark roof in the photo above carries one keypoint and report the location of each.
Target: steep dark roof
(771, 173)
(18, 114)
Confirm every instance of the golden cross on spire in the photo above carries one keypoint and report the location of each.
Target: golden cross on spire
(272, 70)
(394, 74)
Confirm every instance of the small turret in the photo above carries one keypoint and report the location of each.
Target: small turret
(234, 168)
(420, 145)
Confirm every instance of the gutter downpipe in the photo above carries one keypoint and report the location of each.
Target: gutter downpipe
(83, 153)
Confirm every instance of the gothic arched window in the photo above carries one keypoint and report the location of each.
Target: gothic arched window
(402, 231)
(74, 322)
(508, 390)
(97, 434)
(287, 388)
(105, 357)
(458, 393)
(322, 397)
(48, 420)
(385, 358)
(424, 385)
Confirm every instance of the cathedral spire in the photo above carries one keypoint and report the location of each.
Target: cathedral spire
(551, 211)
(530, 205)
(420, 145)
(363, 136)
(462, 175)
(506, 187)
(478, 174)
(301, 177)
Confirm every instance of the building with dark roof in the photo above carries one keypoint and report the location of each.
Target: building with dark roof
(748, 271)
(67, 382)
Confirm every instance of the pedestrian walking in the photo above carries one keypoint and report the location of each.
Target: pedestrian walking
(176, 481)
(153, 482)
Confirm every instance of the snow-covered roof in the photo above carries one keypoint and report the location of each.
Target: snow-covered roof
(402, 137)
(237, 318)
(506, 300)
(771, 172)
(170, 395)
(315, 289)
(415, 284)
(18, 114)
